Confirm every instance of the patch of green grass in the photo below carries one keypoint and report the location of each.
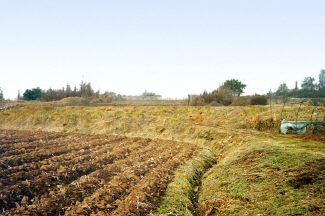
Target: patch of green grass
(241, 196)
(207, 137)
(140, 114)
(298, 145)
(44, 113)
(72, 117)
(285, 110)
(258, 183)
(280, 159)
(36, 120)
(173, 120)
(177, 200)
(262, 109)
(182, 112)
(47, 108)
(245, 112)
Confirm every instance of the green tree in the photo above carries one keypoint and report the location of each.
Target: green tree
(236, 86)
(68, 91)
(33, 94)
(282, 89)
(308, 84)
(322, 79)
(85, 90)
(321, 85)
(1, 94)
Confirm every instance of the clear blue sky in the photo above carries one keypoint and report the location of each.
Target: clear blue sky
(169, 47)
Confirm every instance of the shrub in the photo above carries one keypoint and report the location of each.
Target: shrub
(242, 101)
(250, 100)
(215, 104)
(96, 101)
(33, 94)
(258, 100)
(220, 96)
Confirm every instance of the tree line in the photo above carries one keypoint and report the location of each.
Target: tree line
(226, 94)
(85, 90)
(309, 89)
(1, 94)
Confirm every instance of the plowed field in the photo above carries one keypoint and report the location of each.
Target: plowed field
(44, 173)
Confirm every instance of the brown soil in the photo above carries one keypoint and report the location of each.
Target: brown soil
(44, 173)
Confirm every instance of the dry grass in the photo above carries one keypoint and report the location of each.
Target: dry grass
(265, 181)
(180, 198)
(249, 159)
(265, 174)
(179, 123)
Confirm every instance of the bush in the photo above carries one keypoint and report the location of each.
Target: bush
(250, 100)
(33, 94)
(258, 100)
(218, 97)
(215, 104)
(242, 101)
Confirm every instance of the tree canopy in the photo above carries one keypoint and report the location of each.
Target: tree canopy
(308, 83)
(235, 85)
(1, 94)
(282, 89)
(322, 79)
(33, 94)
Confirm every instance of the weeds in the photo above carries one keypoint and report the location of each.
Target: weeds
(260, 181)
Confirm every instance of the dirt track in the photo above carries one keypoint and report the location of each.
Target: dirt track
(62, 173)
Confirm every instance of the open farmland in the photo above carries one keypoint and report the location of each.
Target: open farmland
(258, 170)
(57, 173)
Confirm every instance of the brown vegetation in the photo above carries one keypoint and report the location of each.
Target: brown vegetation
(220, 96)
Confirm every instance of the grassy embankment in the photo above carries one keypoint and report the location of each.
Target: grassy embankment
(257, 172)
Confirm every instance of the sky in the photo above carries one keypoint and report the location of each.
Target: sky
(169, 47)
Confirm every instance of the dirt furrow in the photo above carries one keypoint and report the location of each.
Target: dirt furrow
(57, 202)
(60, 175)
(109, 197)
